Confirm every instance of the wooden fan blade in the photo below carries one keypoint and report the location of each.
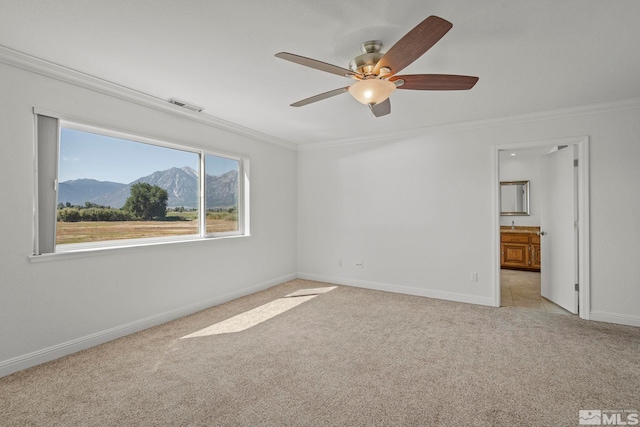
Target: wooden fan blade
(435, 82)
(415, 43)
(320, 97)
(318, 65)
(381, 108)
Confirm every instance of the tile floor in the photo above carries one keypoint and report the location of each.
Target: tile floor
(522, 289)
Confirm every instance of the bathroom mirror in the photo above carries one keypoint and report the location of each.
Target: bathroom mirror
(514, 198)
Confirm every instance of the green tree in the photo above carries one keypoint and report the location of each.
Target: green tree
(69, 215)
(147, 201)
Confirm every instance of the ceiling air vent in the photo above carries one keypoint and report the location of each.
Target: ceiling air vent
(185, 104)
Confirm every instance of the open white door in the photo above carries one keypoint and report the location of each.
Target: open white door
(558, 238)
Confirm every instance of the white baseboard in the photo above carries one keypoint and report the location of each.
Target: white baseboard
(59, 350)
(620, 319)
(400, 289)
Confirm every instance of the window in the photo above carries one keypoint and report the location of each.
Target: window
(221, 200)
(115, 189)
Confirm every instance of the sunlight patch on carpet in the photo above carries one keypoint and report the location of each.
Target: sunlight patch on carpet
(248, 319)
(312, 291)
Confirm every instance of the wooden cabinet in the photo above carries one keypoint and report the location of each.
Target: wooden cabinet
(520, 251)
(535, 251)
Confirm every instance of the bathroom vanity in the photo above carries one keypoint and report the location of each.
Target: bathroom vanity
(520, 248)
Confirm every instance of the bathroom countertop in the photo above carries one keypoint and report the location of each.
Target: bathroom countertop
(519, 229)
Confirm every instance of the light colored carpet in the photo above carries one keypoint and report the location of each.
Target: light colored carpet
(251, 318)
(349, 357)
(312, 291)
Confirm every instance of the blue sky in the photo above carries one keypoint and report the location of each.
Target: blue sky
(105, 158)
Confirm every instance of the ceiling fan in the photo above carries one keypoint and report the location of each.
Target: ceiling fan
(375, 72)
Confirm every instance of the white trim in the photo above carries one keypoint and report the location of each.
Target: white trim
(139, 245)
(620, 319)
(584, 251)
(495, 225)
(399, 289)
(50, 353)
(584, 230)
(246, 194)
(49, 69)
(202, 200)
(35, 199)
(239, 199)
(605, 107)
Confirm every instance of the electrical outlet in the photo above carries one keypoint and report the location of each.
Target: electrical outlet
(474, 276)
(360, 264)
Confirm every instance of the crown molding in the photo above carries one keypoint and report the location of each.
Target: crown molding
(604, 107)
(45, 68)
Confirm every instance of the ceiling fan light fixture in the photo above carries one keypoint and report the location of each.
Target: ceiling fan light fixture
(376, 73)
(371, 91)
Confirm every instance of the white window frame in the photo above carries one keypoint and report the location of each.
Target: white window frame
(202, 152)
(241, 199)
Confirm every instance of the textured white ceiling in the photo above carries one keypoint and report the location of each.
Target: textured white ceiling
(530, 55)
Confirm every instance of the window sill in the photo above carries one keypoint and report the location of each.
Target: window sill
(87, 251)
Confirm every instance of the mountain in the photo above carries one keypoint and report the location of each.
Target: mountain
(180, 183)
(78, 191)
(222, 190)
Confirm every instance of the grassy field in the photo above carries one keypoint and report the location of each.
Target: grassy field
(96, 231)
(183, 215)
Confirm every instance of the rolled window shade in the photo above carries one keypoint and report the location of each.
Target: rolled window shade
(48, 136)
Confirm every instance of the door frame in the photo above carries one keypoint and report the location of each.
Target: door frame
(584, 254)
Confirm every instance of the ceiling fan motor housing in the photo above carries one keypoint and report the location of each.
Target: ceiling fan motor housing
(371, 54)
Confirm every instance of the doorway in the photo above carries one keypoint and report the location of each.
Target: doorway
(522, 289)
(579, 145)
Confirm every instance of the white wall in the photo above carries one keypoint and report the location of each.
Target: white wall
(419, 210)
(52, 308)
